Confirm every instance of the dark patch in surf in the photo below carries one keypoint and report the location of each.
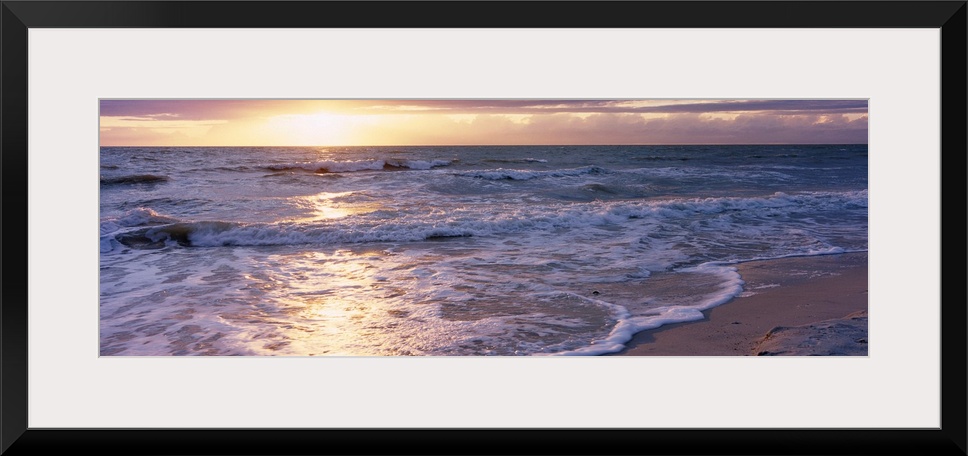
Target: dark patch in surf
(161, 202)
(139, 241)
(514, 160)
(601, 188)
(444, 237)
(134, 179)
(658, 158)
(152, 239)
(295, 173)
(158, 236)
(281, 169)
(774, 156)
(240, 168)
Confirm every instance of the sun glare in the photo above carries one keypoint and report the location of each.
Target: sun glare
(322, 206)
(319, 129)
(324, 123)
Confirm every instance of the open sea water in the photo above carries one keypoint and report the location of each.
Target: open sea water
(450, 250)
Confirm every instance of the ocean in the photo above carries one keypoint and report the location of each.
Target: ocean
(449, 250)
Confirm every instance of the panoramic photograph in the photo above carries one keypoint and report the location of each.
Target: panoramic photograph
(483, 227)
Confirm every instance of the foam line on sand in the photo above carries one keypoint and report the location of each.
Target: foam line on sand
(791, 306)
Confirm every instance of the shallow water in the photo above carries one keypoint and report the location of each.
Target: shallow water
(522, 250)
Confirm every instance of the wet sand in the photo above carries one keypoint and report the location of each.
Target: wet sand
(809, 298)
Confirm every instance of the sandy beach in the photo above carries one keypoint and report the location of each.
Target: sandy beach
(804, 301)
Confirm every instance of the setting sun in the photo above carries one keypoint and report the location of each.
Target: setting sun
(479, 122)
(322, 128)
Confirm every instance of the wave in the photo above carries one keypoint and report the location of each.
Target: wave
(158, 237)
(134, 179)
(599, 191)
(222, 233)
(470, 222)
(181, 203)
(349, 166)
(730, 286)
(520, 174)
(134, 218)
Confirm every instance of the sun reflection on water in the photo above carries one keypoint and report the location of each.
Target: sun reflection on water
(327, 206)
(340, 299)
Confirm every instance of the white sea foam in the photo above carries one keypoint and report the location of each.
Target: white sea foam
(135, 217)
(415, 225)
(731, 285)
(570, 251)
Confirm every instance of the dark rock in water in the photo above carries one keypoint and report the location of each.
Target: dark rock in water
(155, 238)
(596, 293)
(139, 241)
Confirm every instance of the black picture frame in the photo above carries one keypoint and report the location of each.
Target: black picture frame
(18, 16)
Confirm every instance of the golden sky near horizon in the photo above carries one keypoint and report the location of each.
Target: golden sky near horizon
(479, 122)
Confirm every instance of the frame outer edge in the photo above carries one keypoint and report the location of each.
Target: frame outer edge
(954, 105)
(13, 316)
(13, 291)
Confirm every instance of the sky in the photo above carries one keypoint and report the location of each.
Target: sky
(400, 122)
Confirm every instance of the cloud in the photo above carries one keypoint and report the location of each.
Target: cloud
(225, 109)
(776, 106)
(687, 128)
(427, 122)
(210, 109)
(619, 106)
